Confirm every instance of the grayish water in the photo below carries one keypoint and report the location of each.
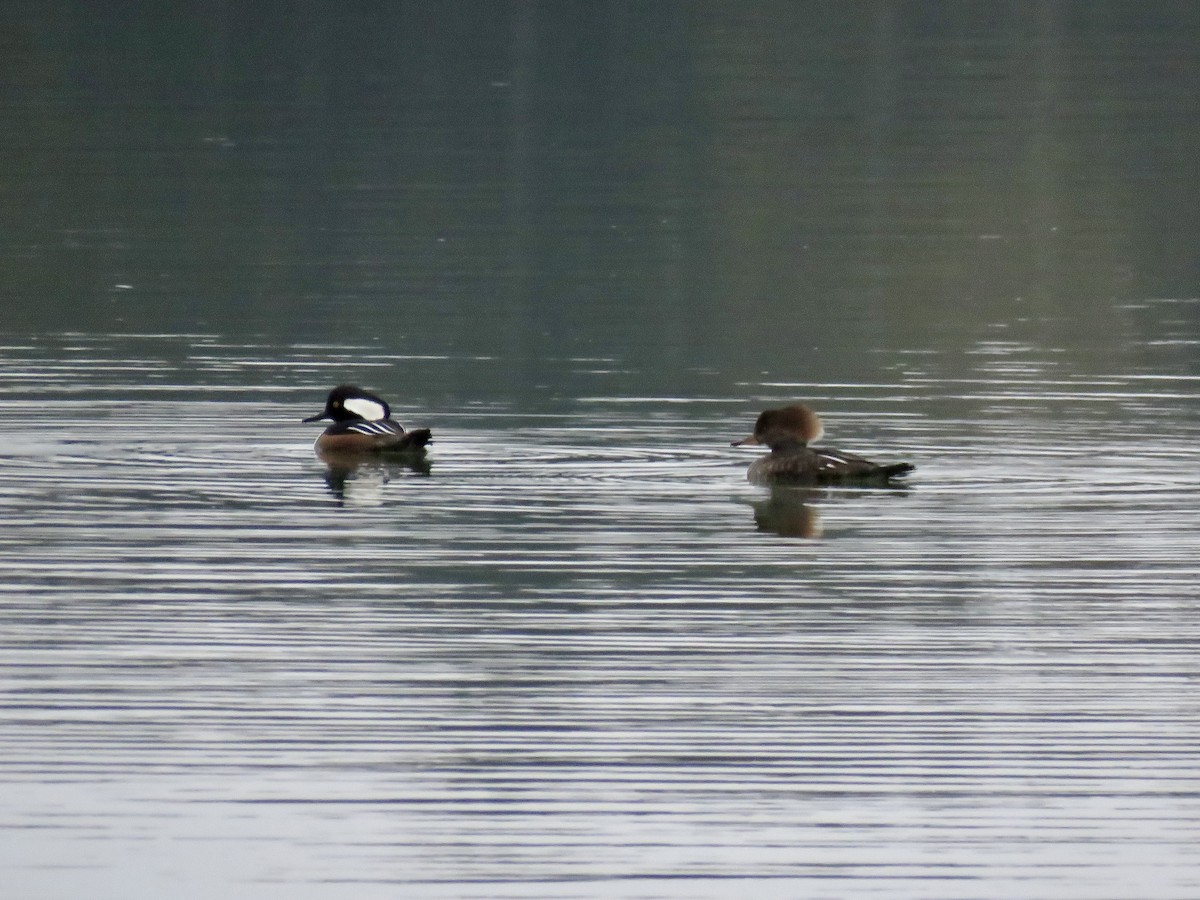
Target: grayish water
(578, 655)
(578, 649)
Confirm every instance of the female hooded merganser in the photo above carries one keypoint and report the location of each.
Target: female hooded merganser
(362, 423)
(788, 431)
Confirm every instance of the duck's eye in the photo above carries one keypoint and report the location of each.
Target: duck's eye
(337, 403)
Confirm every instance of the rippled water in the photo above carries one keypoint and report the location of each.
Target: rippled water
(580, 655)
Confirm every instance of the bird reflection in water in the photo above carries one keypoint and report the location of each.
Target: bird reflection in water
(789, 512)
(358, 479)
(794, 510)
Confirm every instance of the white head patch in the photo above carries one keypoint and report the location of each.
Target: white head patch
(368, 409)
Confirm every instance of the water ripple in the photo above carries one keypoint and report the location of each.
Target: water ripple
(581, 648)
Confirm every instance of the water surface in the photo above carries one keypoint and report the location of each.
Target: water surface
(578, 655)
(581, 648)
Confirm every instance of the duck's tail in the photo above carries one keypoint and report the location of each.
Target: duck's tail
(896, 470)
(415, 439)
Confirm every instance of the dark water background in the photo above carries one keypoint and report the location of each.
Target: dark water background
(580, 656)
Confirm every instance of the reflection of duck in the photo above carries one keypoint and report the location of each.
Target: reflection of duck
(786, 512)
(362, 423)
(357, 479)
(794, 510)
(787, 431)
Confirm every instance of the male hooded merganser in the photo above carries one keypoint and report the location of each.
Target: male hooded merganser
(788, 431)
(362, 423)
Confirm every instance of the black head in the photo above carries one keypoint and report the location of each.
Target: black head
(350, 403)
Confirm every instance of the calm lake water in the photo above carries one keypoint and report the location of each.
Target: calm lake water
(578, 655)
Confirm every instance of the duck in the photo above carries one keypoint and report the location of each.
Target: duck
(362, 423)
(788, 431)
